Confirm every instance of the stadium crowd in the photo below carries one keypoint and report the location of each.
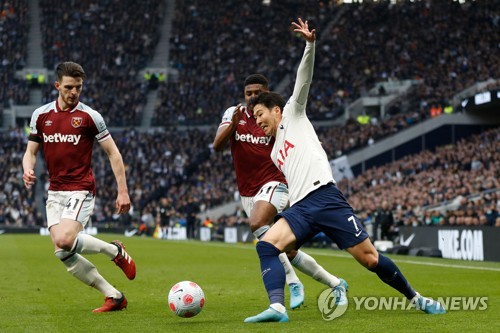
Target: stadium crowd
(243, 39)
(181, 167)
(112, 56)
(350, 59)
(17, 205)
(14, 23)
(177, 168)
(464, 176)
(447, 44)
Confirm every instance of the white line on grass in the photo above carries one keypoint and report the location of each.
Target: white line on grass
(346, 255)
(480, 268)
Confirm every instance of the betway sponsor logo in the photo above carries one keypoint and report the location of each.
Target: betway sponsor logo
(263, 140)
(466, 245)
(58, 137)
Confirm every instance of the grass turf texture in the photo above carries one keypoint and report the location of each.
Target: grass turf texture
(38, 295)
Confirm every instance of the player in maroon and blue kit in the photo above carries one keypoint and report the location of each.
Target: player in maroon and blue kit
(263, 188)
(67, 129)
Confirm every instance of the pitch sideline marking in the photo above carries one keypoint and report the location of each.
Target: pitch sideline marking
(480, 268)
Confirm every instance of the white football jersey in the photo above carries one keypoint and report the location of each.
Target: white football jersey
(297, 151)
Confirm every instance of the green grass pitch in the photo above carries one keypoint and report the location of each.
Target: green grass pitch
(38, 295)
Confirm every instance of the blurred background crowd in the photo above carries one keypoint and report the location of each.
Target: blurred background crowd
(173, 173)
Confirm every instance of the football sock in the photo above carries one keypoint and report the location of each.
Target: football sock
(278, 307)
(87, 244)
(85, 271)
(291, 277)
(388, 272)
(259, 233)
(273, 273)
(308, 265)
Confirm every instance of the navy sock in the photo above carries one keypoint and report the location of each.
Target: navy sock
(388, 272)
(272, 271)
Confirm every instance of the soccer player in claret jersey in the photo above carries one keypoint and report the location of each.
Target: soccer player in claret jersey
(66, 129)
(316, 204)
(263, 188)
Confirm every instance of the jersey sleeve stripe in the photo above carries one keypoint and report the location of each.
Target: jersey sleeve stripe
(34, 138)
(104, 137)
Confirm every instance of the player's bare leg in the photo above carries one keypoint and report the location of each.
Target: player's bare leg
(366, 254)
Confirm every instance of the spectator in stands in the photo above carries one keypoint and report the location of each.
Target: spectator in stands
(191, 210)
(384, 220)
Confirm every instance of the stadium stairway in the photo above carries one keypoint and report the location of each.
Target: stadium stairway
(34, 63)
(160, 61)
(35, 54)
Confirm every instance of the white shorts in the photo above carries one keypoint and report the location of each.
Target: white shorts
(71, 205)
(275, 193)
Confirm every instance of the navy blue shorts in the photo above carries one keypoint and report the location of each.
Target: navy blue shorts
(325, 209)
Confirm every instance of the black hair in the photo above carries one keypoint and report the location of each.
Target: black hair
(256, 79)
(269, 100)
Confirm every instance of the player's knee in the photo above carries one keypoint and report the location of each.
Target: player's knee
(256, 223)
(64, 242)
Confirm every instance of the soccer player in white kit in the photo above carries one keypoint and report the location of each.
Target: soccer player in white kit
(67, 129)
(316, 204)
(263, 188)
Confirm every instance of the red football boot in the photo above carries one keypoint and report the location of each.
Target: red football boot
(112, 304)
(124, 261)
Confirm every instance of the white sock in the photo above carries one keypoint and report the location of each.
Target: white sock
(291, 277)
(307, 265)
(85, 271)
(87, 244)
(278, 307)
(259, 233)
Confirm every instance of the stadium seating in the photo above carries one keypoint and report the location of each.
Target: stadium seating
(212, 58)
(14, 24)
(112, 40)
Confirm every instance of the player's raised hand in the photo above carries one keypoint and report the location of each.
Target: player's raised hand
(303, 28)
(29, 178)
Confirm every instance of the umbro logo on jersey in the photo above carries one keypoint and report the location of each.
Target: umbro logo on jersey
(48, 123)
(242, 123)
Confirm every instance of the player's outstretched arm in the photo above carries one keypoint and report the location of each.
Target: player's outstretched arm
(306, 67)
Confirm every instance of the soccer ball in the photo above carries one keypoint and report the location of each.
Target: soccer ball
(186, 299)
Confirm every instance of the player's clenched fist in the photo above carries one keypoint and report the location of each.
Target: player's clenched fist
(29, 178)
